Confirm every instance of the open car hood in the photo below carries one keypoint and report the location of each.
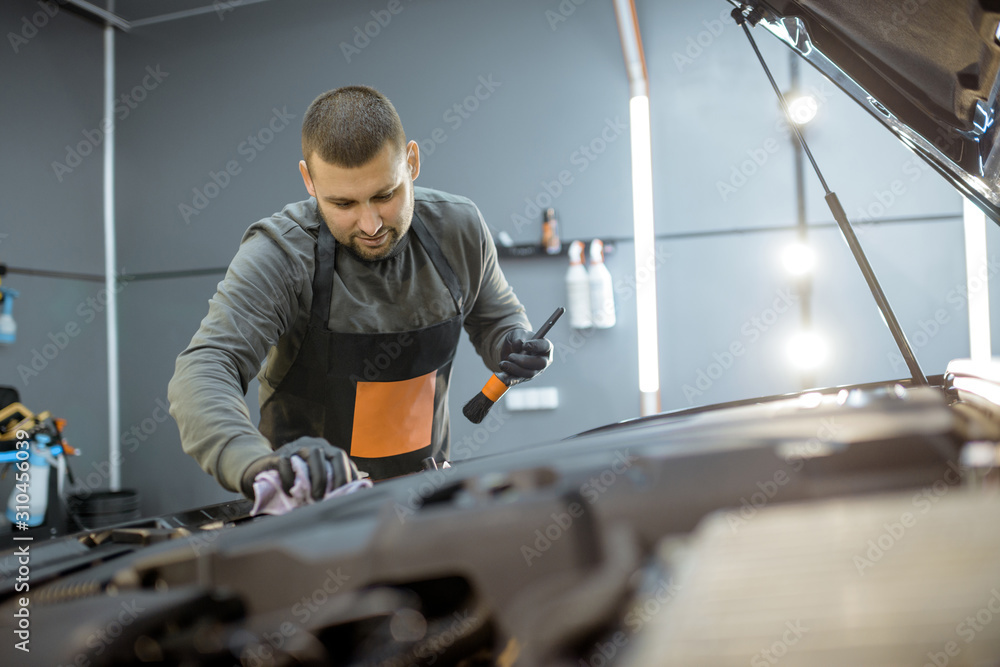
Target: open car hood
(926, 69)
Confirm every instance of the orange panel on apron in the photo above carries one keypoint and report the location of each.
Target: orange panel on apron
(393, 418)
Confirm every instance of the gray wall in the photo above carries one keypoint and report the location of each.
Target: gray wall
(560, 85)
(51, 76)
(553, 92)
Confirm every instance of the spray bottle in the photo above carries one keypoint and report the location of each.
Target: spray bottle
(578, 288)
(33, 500)
(8, 328)
(602, 290)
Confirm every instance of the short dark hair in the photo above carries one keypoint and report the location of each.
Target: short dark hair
(349, 126)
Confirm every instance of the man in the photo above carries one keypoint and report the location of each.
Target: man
(356, 297)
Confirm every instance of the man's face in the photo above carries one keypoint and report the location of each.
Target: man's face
(368, 208)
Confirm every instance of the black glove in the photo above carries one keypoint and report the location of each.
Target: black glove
(522, 357)
(314, 451)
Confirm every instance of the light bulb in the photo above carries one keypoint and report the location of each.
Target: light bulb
(803, 109)
(807, 350)
(798, 258)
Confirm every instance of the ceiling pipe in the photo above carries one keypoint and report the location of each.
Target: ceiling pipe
(103, 14)
(107, 16)
(635, 59)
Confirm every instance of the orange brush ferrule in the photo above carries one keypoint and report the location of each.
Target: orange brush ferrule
(494, 388)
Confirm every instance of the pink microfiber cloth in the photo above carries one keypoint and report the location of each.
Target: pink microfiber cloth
(270, 498)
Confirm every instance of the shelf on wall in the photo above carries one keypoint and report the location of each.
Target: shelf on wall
(537, 250)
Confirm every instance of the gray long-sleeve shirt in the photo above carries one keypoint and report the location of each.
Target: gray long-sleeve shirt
(261, 308)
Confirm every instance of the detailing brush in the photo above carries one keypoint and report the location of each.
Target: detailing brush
(477, 409)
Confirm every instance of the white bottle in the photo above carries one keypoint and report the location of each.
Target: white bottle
(578, 288)
(29, 505)
(8, 328)
(602, 289)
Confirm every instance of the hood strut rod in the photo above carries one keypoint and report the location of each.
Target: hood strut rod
(838, 213)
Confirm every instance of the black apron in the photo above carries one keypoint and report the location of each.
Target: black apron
(382, 397)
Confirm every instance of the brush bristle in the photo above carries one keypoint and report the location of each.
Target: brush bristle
(477, 409)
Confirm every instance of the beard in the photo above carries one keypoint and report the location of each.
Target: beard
(389, 248)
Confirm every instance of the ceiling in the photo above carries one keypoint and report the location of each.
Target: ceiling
(128, 14)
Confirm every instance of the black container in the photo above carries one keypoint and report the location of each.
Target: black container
(104, 508)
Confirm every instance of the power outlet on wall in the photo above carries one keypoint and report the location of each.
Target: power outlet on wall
(532, 398)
